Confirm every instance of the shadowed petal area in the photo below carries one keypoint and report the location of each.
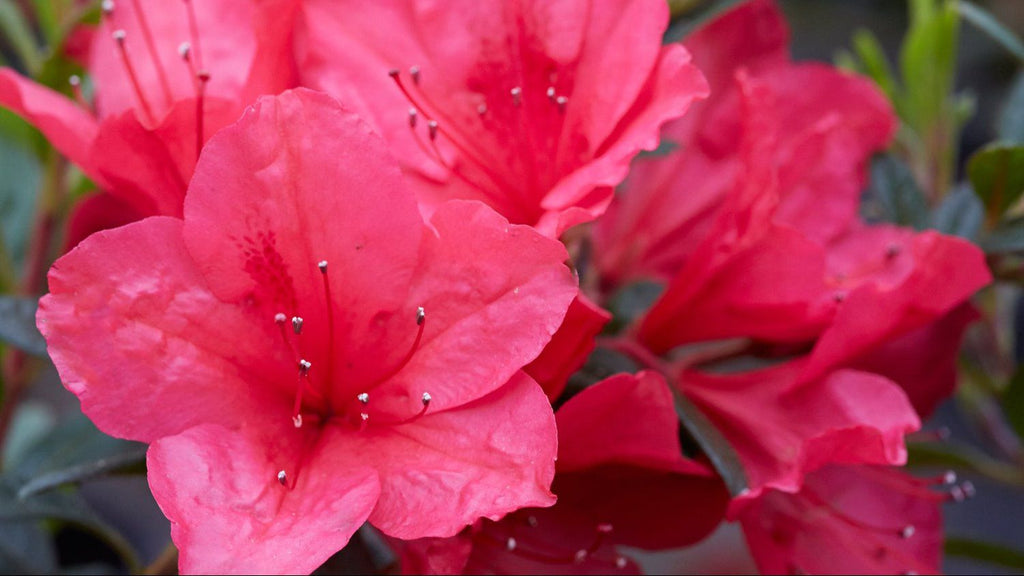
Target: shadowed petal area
(850, 520)
(70, 129)
(846, 417)
(147, 348)
(445, 470)
(230, 513)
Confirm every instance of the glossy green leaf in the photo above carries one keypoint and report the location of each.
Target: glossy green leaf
(133, 457)
(1013, 402)
(18, 324)
(718, 450)
(927, 62)
(896, 193)
(74, 441)
(989, 552)
(961, 214)
(990, 25)
(997, 174)
(21, 174)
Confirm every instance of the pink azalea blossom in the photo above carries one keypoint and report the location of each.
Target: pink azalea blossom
(167, 76)
(304, 353)
(535, 108)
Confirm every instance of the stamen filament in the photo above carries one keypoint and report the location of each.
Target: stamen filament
(119, 39)
(193, 29)
(147, 37)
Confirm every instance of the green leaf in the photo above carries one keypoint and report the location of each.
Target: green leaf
(18, 188)
(75, 441)
(715, 446)
(18, 324)
(997, 174)
(1011, 121)
(874, 63)
(960, 214)
(896, 193)
(16, 30)
(132, 457)
(962, 457)
(1008, 237)
(683, 27)
(985, 552)
(631, 302)
(927, 62)
(987, 23)
(1013, 402)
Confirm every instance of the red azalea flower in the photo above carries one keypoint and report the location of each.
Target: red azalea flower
(167, 75)
(622, 480)
(304, 353)
(569, 347)
(781, 434)
(532, 107)
(849, 520)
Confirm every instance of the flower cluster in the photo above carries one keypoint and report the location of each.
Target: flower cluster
(347, 256)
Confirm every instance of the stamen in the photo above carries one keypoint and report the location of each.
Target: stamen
(510, 544)
(364, 398)
(412, 117)
(282, 478)
(551, 93)
(421, 321)
(581, 556)
(147, 36)
(426, 398)
(107, 6)
(892, 250)
(76, 90)
(421, 316)
(532, 521)
(297, 324)
(517, 96)
(304, 367)
(838, 296)
(119, 38)
(907, 531)
(415, 73)
(621, 562)
(322, 266)
(562, 101)
(203, 78)
(193, 29)
(481, 109)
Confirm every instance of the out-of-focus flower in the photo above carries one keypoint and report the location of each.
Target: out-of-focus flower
(305, 354)
(535, 108)
(167, 75)
(621, 480)
(850, 519)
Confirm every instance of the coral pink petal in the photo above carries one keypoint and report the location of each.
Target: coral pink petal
(569, 347)
(489, 290)
(626, 420)
(232, 511)
(146, 347)
(446, 469)
(69, 128)
(847, 417)
(96, 212)
(848, 519)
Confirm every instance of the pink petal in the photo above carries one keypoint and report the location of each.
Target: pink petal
(849, 519)
(624, 419)
(147, 348)
(70, 129)
(847, 417)
(96, 212)
(569, 347)
(230, 513)
(447, 469)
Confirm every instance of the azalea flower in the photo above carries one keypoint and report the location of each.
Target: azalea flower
(167, 75)
(622, 480)
(304, 353)
(535, 108)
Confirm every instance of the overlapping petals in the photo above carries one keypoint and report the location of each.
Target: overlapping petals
(535, 108)
(355, 362)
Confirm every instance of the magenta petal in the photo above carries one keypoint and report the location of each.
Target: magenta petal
(70, 129)
(146, 347)
(445, 470)
(230, 513)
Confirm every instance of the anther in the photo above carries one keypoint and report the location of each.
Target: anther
(432, 129)
(510, 544)
(605, 528)
(892, 250)
(551, 93)
(322, 265)
(394, 72)
(297, 324)
(119, 36)
(75, 81)
(280, 318)
(297, 420)
(561, 101)
(76, 89)
(532, 521)
(107, 7)
(481, 109)
(412, 117)
(968, 489)
(517, 95)
(363, 398)
(907, 531)
(184, 49)
(415, 73)
(421, 315)
(580, 557)
(304, 367)
(838, 296)
(621, 562)
(282, 478)
(426, 398)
